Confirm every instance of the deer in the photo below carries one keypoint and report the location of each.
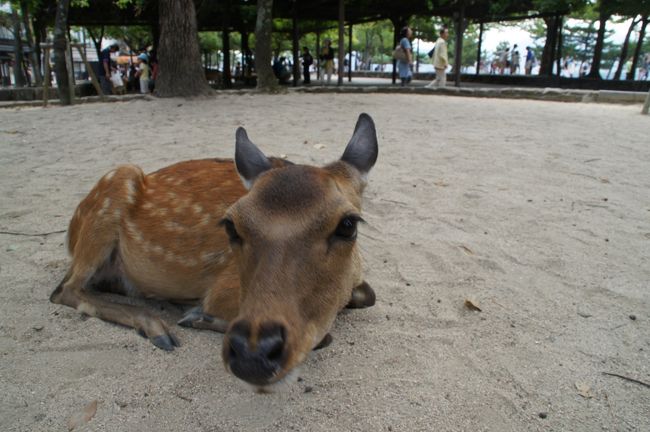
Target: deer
(264, 250)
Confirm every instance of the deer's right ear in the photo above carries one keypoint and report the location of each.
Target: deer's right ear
(249, 160)
(361, 152)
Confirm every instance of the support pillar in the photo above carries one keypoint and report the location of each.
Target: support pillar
(341, 53)
(478, 53)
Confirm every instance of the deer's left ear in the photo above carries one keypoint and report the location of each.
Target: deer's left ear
(362, 150)
(249, 160)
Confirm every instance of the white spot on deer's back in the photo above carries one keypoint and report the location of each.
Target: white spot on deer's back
(133, 231)
(197, 208)
(130, 191)
(109, 175)
(105, 205)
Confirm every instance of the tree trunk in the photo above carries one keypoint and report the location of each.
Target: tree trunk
(598, 49)
(623, 57)
(179, 60)
(266, 80)
(548, 54)
(637, 50)
(226, 76)
(29, 34)
(60, 69)
(19, 70)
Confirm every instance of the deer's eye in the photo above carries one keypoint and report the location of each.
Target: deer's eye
(229, 226)
(347, 228)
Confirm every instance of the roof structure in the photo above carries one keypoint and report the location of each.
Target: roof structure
(239, 15)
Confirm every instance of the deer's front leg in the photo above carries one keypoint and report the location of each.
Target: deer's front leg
(219, 305)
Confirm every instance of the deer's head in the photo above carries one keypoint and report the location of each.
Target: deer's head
(294, 238)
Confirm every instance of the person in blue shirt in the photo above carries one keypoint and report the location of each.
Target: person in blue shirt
(404, 66)
(105, 68)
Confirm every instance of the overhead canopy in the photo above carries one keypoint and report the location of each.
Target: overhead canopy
(240, 15)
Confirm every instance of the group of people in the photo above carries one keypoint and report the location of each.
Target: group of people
(509, 61)
(116, 79)
(438, 58)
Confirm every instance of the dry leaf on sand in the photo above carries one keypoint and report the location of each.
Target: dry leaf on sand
(467, 250)
(471, 305)
(319, 146)
(82, 417)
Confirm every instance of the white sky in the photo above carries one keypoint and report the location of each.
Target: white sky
(514, 35)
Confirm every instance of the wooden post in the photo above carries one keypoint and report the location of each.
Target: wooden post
(559, 45)
(478, 53)
(318, 55)
(341, 41)
(646, 105)
(460, 29)
(91, 72)
(46, 75)
(396, 23)
(350, 54)
(295, 47)
(68, 65)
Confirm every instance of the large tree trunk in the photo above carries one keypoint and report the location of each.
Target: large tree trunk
(598, 49)
(548, 54)
(637, 50)
(29, 34)
(60, 69)
(179, 60)
(266, 80)
(623, 57)
(19, 71)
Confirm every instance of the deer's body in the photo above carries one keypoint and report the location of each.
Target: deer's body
(275, 277)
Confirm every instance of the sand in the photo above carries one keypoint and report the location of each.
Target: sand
(538, 212)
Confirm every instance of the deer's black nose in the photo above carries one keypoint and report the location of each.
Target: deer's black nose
(258, 362)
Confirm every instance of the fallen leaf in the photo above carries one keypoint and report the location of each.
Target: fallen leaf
(584, 390)
(319, 146)
(469, 304)
(604, 180)
(440, 183)
(83, 416)
(467, 250)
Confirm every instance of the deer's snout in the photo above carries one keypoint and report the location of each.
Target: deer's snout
(256, 360)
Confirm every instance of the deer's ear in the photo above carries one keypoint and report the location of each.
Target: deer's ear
(361, 152)
(249, 160)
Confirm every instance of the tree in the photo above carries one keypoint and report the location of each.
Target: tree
(265, 78)
(180, 72)
(19, 70)
(637, 50)
(29, 36)
(623, 58)
(60, 47)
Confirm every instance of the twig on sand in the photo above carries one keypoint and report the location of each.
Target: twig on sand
(31, 235)
(627, 379)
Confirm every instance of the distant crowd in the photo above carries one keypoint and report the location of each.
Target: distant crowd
(133, 73)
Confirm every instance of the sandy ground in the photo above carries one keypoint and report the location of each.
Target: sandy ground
(537, 211)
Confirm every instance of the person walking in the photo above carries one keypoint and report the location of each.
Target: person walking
(105, 68)
(144, 73)
(327, 57)
(514, 60)
(307, 61)
(404, 66)
(530, 60)
(440, 60)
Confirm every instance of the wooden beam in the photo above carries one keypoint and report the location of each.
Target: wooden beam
(350, 55)
(341, 41)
